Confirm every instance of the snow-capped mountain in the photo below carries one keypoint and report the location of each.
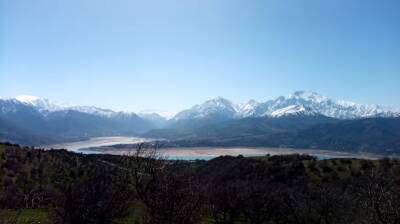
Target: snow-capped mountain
(46, 106)
(248, 109)
(325, 106)
(300, 102)
(40, 103)
(33, 121)
(218, 107)
(293, 110)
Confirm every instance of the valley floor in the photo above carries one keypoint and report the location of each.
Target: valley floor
(122, 145)
(212, 152)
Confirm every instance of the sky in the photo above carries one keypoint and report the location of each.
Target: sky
(169, 55)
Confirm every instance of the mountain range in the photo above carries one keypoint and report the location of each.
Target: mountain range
(302, 119)
(34, 121)
(298, 102)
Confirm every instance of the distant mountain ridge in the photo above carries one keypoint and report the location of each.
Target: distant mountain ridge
(37, 121)
(300, 101)
(34, 121)
(45, 106)
(303, 119)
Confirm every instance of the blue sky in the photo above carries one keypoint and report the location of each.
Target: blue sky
(134, 55)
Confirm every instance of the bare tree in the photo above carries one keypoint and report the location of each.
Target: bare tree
(379, 196)
(168, 189)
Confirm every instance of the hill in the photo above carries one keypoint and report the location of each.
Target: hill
(57, 186)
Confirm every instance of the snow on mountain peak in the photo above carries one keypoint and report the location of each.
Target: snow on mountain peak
(27, 99)
(331, 108)
(41, 104)
(217, 102)
(216, 106)
(308, 95)
(247, 109)
(44, 105)
(300, 102)
(292, 110)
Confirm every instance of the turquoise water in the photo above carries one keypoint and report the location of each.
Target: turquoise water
(212, 157)
(323, 157)
(197, 157)
(191, 157)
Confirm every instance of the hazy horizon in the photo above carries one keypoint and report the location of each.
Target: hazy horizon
(157, 55)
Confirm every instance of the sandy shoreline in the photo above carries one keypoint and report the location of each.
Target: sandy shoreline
(105, 145)
(247, 151)
(97, 142)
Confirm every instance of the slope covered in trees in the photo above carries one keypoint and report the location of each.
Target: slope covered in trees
(57, 186)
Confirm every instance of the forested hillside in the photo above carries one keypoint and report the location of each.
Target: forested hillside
(57, 186)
